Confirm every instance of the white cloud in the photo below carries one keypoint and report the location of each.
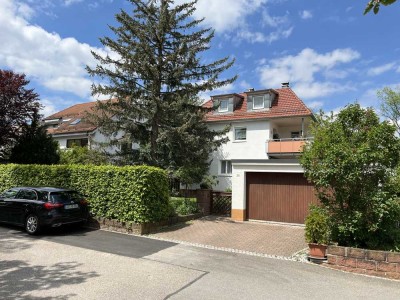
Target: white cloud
(306, 14)
(306, 71)
(274, 21)
(315, 105)
(260, 37)
(55, 62)
(69, 2)
(223, 16)
(381, 69)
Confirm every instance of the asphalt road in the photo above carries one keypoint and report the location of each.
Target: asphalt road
(84, 264)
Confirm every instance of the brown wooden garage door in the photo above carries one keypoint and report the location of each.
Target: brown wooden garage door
(280, 197)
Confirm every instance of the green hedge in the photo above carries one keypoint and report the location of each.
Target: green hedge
(136, 194)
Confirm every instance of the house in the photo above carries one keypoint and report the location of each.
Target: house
(70, 127)
(260, 162)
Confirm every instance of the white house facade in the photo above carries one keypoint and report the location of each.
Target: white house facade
(260, 162)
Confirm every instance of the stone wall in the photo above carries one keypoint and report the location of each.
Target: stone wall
(371, 262)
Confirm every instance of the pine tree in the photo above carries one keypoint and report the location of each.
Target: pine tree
(155, 73)
(35, 146)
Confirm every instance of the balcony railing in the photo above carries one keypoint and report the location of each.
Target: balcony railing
(286, 146)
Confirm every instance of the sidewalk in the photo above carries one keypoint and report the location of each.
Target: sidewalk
(219, 232)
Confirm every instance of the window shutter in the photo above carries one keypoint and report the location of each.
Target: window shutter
(230, 105)
(249, 103)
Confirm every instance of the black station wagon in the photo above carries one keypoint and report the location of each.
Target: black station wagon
(37, 207)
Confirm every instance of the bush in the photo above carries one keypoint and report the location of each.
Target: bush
(184, 206)
(351, 163)
(132, 194)
(83, 156)
(317, 226)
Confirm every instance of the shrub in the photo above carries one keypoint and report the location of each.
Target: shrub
(184, 206)
(132, 194)
(351, 163)
(317, 226)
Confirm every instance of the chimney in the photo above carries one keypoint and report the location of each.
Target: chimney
(285, 84)
(251, 90)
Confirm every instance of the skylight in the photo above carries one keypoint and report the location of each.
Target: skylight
(75, 122)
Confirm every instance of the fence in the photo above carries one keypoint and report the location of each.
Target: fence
(211, 202)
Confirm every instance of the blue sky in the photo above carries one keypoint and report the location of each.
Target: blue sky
(329, 51)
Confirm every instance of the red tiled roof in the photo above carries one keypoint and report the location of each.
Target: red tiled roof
(285, 104)
(77, 111)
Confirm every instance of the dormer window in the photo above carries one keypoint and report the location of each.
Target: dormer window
(223, 106)
(258, 102)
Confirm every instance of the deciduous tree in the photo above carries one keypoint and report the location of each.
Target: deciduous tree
(18, 106)
(351, 162)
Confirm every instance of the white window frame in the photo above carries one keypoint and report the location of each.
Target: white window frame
(262, 103)
(225, 167)
(234, 134)
(220, 105)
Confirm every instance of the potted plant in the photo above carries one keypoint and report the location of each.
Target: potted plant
(317, 233)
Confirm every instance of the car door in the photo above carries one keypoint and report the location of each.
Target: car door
(5, 204)
(19, 204)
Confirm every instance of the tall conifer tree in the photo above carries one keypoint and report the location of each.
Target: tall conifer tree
(156, 73)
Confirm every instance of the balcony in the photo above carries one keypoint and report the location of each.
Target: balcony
(285, 147)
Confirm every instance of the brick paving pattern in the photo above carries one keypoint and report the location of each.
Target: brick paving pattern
(264, 238)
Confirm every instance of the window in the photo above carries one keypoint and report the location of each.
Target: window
(77, 121)
(223, 106)
(258, 102)
(295, 134)
(240, 134)
(27, 194)
(77, 142)
(10, 193)
(226, 167)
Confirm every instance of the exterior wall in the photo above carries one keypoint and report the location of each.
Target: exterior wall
(239, 180)
(254, 147)
(62, 139)
(95, 139)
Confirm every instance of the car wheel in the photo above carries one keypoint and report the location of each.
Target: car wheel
(32, 224)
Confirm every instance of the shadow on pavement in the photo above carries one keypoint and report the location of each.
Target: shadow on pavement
(18, 279)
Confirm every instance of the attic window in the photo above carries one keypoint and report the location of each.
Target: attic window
(223, 106)
(258, 102)
(77, 121)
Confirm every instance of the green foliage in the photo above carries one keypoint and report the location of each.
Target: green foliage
(136, 194)
(317, 226)
(208, 182)
(375, 5)
(35, 146)
(351, 163)
(156, 77)
(184, 206)
(82, 156)
(390, 105)
(18, 107)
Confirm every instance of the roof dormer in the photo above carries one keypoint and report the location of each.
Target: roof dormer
(226, 103)
(260, 100)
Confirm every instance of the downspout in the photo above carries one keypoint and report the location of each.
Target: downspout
(302, 127)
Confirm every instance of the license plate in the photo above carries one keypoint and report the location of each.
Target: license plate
(71, 206)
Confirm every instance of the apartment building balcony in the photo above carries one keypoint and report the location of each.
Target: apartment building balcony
(286, 147)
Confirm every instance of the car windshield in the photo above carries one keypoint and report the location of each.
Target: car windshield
(65, 197)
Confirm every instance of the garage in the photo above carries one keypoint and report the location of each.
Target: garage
(278, 197)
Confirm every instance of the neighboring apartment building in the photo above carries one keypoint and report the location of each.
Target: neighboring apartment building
(259, 163)
(70, 127)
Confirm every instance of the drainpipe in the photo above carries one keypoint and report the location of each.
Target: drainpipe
(302, 127)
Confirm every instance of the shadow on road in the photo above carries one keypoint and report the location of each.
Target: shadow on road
(18, 279)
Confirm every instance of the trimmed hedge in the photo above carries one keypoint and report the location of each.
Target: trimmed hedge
(132, 194)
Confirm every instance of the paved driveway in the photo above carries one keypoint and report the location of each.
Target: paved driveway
(218, 232)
